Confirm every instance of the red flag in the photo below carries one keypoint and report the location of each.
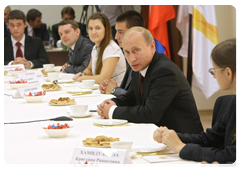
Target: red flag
(157, 25)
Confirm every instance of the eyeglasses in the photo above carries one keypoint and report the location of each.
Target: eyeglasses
(213, 70)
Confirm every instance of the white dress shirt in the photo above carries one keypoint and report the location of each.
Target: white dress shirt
(30, 30)
(15, 48)
(111, 110)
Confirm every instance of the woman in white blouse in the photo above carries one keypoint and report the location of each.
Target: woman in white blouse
(107, 60)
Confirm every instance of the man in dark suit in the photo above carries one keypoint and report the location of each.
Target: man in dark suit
(6, 30)
(20, 48)
(79, 47)
(35, 26)
(67, 13)
(162, 96)
(124, 21)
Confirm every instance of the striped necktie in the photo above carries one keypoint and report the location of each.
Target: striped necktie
(70, 54)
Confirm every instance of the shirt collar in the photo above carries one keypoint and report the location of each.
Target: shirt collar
(73, 46)
(143, 72)
(29, 27)
(22, 41)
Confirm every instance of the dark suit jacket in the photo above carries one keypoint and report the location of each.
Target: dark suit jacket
(122, 89)
(81, 55)
(40, 32)
(167, 98)
(56, 36)
(6, 31)
(33, 51)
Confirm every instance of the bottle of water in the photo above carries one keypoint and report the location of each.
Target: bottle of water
(51, 40)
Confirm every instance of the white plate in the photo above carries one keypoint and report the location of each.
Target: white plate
(131, 154)
(143, 147)
(95, 86)
(67, 104)
(85, 115)
(48, 80)
(98, 146)
(110, 122)
(65, 81)
(77, 90)
(85, 95)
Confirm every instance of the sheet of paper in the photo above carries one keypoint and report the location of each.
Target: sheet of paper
(162, 158)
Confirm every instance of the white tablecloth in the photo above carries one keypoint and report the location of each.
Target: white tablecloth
(28, 144)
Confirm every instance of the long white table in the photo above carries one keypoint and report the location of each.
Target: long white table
(27, 143)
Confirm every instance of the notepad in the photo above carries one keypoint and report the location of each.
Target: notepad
(162, 158)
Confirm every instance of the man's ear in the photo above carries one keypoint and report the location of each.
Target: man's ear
(26, 23)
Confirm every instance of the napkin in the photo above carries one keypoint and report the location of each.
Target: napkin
(162, 158)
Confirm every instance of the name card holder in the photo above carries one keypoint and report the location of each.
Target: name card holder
(30, 73)
(13, 67)
(26, 90)
(85, 155)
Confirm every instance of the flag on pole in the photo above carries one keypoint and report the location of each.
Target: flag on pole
(157, 25)
(204, 38)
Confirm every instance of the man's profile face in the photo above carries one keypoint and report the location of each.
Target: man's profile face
(68, 35)
(138, 54)
(16, 27)
(68, 17)
(36, 23)
(6, 12)
(120, 30)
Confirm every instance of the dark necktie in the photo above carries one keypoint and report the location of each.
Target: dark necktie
(33, 34)
(19, 51)
(70, 54)
(141, 82)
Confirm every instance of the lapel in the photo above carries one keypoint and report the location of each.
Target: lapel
(28, 46)
(10, 47)
(77, 48)
(147, 78)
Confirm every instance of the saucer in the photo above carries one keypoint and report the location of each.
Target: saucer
(68, 109)
(95, 87)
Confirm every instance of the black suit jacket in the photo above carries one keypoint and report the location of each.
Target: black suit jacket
(167, 98)
(6, 31)
(127, 79)
(81, 55)
(33, 51)
(40, 32)
(56, 36)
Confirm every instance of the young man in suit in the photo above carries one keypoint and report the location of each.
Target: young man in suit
(35, 26)
(124, 22)
(20, 48)
(79, 47)
(162, 96)
(67, 13)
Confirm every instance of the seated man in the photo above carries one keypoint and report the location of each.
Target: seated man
(124, 21)
(20, 48)
(67, 13)
(79, 47)
(159, 92)
(35, 26)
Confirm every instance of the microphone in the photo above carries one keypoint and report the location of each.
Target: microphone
(61, 118)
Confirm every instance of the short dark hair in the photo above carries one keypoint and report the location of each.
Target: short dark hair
(16, 14)
(68, 10)
(132, 18)
(32, 14)
(73, 23)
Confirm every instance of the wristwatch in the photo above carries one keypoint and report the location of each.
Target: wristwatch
(113, 90)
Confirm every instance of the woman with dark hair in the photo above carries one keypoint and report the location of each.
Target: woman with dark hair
(216, 145)
(107, 60)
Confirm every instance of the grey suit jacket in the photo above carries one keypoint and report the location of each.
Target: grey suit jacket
(81, 55)
(34, 51)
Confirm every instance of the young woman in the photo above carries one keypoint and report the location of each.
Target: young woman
(219, 143)
(107, 60)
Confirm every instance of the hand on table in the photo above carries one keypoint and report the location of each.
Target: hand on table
(22, 60)
(106, 86)
(65, 66)
(205, 162)
(78, 76)
(104, 107)
(169, 138)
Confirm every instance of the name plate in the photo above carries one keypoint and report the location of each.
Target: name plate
(21, 92)
(14, 67)
(85, 155)
(32, 81)
(31, 73)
